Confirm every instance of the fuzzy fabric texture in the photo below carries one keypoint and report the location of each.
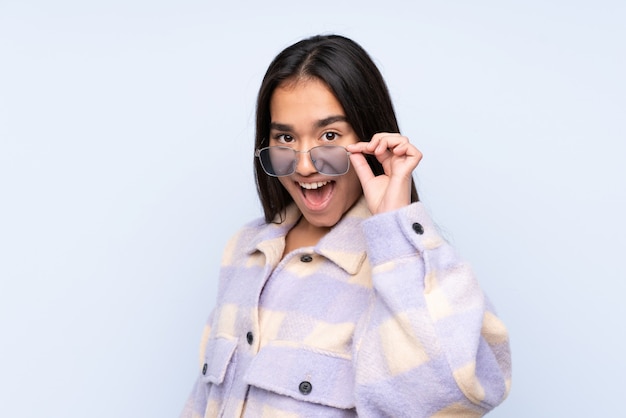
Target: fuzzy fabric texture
(380, 319)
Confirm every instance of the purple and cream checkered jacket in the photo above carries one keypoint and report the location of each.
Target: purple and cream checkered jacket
(380, 319)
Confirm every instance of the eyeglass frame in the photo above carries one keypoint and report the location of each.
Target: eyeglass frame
(257, 153)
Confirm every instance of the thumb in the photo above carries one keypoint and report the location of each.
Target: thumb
(361, 167)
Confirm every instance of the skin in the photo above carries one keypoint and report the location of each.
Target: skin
(392, 190)
(305, 114)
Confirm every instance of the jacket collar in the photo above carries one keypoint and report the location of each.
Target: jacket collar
(344, 244)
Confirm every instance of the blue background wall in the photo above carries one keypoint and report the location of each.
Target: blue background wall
(125, 164)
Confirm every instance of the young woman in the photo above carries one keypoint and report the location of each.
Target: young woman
(344, 300)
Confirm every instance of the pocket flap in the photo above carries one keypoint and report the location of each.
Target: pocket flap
(216, 359)
(304, 374)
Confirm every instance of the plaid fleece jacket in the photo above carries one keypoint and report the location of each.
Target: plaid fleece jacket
(380, 319)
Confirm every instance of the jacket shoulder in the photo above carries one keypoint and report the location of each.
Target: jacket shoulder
(243, 239)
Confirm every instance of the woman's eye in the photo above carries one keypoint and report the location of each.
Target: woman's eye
(330, 136)
(284, 138)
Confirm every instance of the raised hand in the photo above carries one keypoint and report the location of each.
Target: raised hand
(398, 157)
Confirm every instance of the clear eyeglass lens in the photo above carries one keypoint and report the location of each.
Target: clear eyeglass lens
(330, 160)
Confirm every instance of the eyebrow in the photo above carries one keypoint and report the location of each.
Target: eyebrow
(318, 124)
(330, 120)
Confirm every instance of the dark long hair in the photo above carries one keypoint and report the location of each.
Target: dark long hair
(357, 84)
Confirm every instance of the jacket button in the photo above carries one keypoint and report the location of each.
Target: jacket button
(419, 229)
(305, 387)
(306, 258)
(204, 368)
(250, 337)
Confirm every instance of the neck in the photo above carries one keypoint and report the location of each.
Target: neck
(303, 234)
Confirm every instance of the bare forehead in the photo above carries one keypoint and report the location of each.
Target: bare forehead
(308, 101)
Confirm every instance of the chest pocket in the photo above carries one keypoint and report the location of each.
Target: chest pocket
(217, 357)
(303, 374)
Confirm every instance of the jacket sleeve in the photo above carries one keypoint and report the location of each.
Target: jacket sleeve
(430, 344)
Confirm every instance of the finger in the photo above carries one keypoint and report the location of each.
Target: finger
(364, 148)
(394, 144)
(361, 167)
(382, 148)
(378, 147)
(386, 147)
(358, 147)
(405, 148)
(371, 146)
(410, 151)
(394, 141)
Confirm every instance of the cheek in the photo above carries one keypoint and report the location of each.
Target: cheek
(351, 187)
(352, 180)
(282, 182)
(288, 184)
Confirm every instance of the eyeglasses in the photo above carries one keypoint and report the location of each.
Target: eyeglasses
(278, 161)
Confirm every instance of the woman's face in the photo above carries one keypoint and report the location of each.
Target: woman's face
(306, 114)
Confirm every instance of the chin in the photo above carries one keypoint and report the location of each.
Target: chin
(322, 220)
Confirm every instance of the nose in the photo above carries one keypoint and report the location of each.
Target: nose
(304, 164)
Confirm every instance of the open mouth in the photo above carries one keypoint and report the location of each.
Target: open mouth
(316, 194)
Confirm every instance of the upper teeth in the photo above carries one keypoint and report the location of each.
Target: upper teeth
(316, 185)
